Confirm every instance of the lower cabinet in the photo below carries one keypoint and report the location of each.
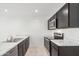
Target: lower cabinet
(53, 50)
(23, 46)
(47, 44)
(24, 49)
(64, 50)
(12, 52)
(20, 49)
(69, 51)
(27, 43)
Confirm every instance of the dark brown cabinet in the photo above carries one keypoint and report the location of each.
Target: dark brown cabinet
(74, 14)
(66, 17)
(62, 17)
(23, 46)
(62, 50)
(54, 49)
(20, 49)
(26, 44)
(47, 44)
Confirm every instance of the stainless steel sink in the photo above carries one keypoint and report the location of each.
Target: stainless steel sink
(14, 40)
(17, 39)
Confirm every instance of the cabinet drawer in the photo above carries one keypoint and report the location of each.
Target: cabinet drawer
(54, 51)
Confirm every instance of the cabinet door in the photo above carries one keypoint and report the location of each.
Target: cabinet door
(20, 50)
(47, 43)
(74, 14)
(62, 17)
(27, 43)
(54, 51)
(24, 48)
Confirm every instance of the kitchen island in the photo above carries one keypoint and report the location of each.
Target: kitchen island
(64, 48)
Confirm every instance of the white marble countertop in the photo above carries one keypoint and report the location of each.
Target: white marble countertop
(66, 42)
(6, 46)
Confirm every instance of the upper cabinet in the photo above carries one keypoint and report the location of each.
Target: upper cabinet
(67, 16)
(62, 17)
(74, 14)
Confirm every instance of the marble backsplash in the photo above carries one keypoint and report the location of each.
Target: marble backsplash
(70, 33)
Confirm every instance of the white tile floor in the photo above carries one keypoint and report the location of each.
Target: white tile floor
(37, 52)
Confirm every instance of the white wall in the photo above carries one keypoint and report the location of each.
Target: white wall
(19, 20)
(34, 27)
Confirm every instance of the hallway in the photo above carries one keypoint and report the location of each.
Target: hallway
(37, 52)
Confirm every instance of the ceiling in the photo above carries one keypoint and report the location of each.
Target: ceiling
(29, 9)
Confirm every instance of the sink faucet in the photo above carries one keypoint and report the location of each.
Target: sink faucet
(10, 39)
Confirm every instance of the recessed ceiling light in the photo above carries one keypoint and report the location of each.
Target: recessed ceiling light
(5, 10)
(36, 10)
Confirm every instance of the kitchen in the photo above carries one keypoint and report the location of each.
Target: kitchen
(24, 27)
